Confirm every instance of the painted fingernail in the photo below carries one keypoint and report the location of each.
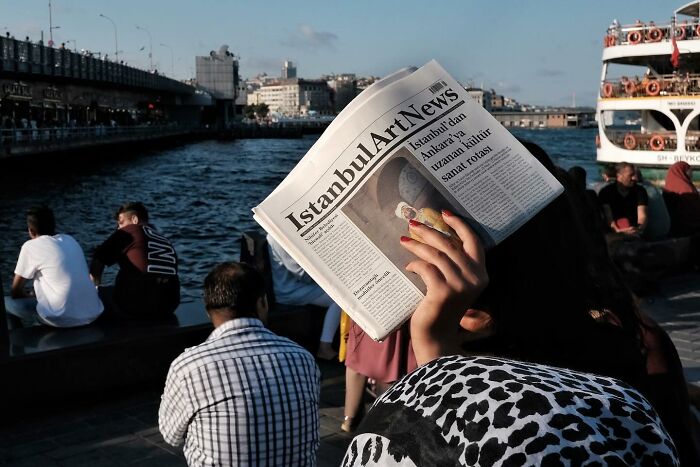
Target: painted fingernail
(413, 223)
(447, 213)
(405, 239)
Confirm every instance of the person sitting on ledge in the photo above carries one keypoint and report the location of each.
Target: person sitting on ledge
(63, 293)
(624, 202)
(245, 396)
(147, 284)
(683, 200)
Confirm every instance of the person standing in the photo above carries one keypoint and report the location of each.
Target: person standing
(63, 295)
(147, 283)
(293, 286)
(245, 396)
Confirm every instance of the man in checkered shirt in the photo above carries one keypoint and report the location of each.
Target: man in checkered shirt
(245, 396)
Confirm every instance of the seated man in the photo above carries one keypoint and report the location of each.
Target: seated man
(147, 283)
(624, 202)
(293, 286)
(245, 396)
(65, 297)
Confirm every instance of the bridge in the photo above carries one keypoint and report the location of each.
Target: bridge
(56, 99)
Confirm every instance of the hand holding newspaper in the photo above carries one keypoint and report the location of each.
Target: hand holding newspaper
(409, 146)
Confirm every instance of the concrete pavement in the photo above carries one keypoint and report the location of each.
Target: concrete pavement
(119, 430)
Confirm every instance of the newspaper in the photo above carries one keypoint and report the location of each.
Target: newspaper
(412, 144)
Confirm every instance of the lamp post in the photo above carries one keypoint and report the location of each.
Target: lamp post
(172, 60)
(150, 46)
(75, 44)
(116, 45)
(51, 28)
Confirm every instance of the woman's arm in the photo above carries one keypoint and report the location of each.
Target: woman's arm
(454, 278)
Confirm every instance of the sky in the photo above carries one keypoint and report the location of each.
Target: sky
(542, 52)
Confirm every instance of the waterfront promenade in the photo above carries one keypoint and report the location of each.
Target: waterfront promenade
(122, 430)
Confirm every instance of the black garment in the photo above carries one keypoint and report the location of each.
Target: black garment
(147, 283)
(624, 207)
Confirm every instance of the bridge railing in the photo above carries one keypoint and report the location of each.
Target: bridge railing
(36, 59)
(40, 136)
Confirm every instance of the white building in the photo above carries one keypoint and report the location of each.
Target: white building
(294, 97)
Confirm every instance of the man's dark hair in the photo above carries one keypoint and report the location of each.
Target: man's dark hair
(609, 170)
(41, 220)
(235, 287)
(620, 166)
(134, 208)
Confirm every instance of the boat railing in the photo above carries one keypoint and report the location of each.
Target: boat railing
(641, 33)
(639, 140)
(675, 84)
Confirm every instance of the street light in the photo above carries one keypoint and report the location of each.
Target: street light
(150, 46)
(51, 28)
(116, 46)
(75, 44)
(172, 60)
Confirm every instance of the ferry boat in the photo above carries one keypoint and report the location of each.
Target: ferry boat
(648, 111)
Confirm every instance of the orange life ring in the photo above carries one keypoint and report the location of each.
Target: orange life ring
(630, 88)
(608, 90)
(697, 30)
(612, 41)
(656, 143)
(655, 35)
(634, 37)
(653, 88)
(680, 33)
(630, 141)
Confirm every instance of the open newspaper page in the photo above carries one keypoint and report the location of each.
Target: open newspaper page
(416, 145)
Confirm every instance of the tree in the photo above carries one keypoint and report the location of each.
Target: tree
(261, 110)
(249, 112)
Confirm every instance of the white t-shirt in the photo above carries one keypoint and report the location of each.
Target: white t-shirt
(64, 292)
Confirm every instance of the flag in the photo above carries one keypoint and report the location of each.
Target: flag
(676, 54)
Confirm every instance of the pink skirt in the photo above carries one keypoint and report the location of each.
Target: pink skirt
(385, 361)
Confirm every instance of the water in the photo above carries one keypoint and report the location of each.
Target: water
(199, 195)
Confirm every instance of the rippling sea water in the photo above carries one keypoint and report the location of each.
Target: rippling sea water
(199, 195)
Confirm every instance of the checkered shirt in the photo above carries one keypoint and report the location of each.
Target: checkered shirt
(243, 397)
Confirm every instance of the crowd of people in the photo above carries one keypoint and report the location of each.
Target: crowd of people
(534, 353)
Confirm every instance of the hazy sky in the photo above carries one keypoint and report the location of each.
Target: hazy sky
(537, 51)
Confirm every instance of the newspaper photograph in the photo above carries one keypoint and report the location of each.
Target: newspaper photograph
(415, 145)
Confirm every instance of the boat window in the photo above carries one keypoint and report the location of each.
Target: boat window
(639, 130)
(692, 136)
(658, 121)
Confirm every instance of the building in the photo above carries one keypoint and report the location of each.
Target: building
(483, 97)
(547, 118)
(295, 97)
(217, 74)
(289, 70)
(344, 89)
(497, 101)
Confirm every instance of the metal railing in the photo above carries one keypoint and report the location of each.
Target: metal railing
(676, 84)
(643, 141)
(36, 59)
(650, 33)
(40, 136)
